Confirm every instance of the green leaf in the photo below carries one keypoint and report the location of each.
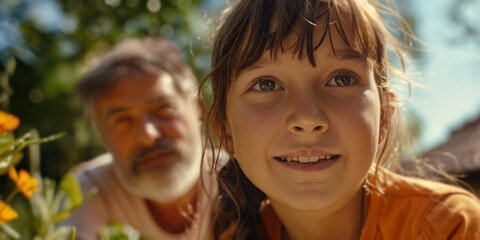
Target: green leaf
(10, 231)
(58, 201)
(61, 216)
(74, 233)
(10, 148)
(46, 139)
(16, 147)
(12, 160)
(59, 233)
(117, 231)
(66, 213)
(70, 186)
(11, 65)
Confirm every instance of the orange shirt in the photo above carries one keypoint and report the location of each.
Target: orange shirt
(410, 209)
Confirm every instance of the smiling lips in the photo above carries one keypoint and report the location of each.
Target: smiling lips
(306, 159)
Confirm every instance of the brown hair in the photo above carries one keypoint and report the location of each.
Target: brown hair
(244, 36)
(136, 57)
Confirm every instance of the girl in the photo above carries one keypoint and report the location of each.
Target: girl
(303, 104)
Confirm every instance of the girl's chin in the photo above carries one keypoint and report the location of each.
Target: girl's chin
(303, 203)
(311, 200)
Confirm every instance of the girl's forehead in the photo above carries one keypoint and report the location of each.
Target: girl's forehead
(340, 54)
(334, 45)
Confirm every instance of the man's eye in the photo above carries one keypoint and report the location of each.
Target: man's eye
(123, 122)
(265, 85)
(341, 80)
(166, 112)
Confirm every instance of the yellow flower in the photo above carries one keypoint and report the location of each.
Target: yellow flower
(6, 213)
(25, 184)
(8, 122)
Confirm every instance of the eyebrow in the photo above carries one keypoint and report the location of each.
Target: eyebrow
(346, 54)
(115, 110)
(258, 64)
(158, 98)
(341, 54)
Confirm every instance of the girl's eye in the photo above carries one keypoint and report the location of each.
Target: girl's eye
(265, 85)
(341, 80)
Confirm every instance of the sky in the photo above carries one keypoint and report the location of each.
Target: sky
(450, 68)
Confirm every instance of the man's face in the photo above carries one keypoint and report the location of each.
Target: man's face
(153, 133)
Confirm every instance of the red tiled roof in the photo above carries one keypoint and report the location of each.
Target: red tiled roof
(461, 152)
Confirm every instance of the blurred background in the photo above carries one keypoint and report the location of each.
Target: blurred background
(52, 41)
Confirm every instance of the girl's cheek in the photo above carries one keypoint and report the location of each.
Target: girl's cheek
(259, 114)
(252, 120)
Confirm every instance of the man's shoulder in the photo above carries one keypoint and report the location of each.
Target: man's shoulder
(99, 163)
(97, 172)
(94, 176)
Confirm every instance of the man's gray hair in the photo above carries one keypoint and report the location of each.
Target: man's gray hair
(137, 57)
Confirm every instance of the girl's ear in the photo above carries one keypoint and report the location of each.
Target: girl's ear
(388, 107)
(228, 143)
(226, 139)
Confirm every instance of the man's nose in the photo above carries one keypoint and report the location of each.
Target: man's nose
(149, 132)
(307, 116)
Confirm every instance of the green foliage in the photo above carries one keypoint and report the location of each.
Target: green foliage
(117, 231)
(4, 84)
(39, 218)
(10, 148)
(70, 187)
(7, 145)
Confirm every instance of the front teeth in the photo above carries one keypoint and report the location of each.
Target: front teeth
(306, 159)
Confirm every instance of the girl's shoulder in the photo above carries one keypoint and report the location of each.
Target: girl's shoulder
(392, 184)
(409, 208)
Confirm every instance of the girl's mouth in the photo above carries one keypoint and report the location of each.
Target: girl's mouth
(307, 159)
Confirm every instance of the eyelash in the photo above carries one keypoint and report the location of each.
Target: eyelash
(353, 78)
(166, 112)
(122, 121)
(257, 81)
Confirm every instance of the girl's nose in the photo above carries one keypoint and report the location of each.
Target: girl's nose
(307, 117)
(149, 133)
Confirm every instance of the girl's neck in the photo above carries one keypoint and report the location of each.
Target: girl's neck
(342, 222)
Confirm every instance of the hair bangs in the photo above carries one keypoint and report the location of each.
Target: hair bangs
(311, 22)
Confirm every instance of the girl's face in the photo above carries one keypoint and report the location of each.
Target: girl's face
(306, 136)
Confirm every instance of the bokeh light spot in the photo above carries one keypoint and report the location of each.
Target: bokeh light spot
(154, 5)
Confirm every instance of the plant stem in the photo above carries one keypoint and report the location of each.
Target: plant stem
(12, 194)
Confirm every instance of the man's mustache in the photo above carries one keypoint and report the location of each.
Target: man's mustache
(159, 147)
